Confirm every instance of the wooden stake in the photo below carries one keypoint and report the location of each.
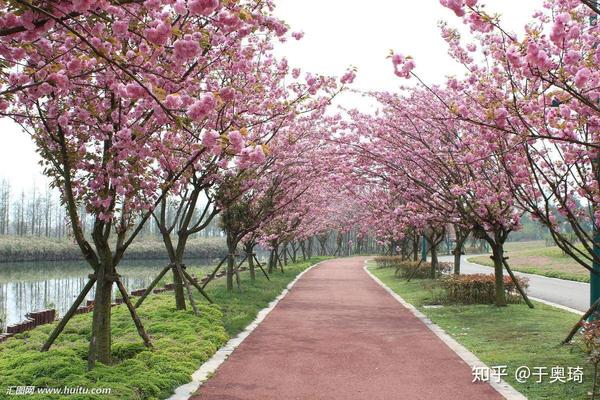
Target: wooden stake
(261, 268)
(212, 275)
(517, 285)
(152, 286)
(134, 315)
(187, 288)
(414, 271)
(195, 284)
(63, 322)
(585, 316)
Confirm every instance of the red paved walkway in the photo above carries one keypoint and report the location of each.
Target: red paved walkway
(339, 335)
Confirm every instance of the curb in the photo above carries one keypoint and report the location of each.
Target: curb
(506, 390)
(184, 392)
(556, 305)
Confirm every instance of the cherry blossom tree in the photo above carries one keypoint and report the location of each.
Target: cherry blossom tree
(118, 133)
(545, 92)
(439, 170)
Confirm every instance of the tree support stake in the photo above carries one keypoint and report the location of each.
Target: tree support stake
(63, 322)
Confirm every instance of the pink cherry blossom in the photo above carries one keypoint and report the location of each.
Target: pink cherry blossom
(200, 108)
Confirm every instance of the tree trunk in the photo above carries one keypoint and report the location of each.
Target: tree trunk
(230, 270)
(415, 248)
(460, 242)
(457, 261)
(323, 250)
(250, 258)
(294, 252)
(231, 266)
(498, 257)
(434, 261)
(100, 342)
(178, 288)
(272, 260)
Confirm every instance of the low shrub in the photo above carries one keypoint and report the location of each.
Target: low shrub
(478, 288)
(138, 373)
(408, 268)
(417, 270)
(388, 261)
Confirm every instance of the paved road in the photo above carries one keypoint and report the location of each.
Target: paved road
(339, 335)
(567, 293)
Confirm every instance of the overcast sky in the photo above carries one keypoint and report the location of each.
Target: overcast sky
(338, 34)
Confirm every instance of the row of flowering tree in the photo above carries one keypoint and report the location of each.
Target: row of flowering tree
(435, 172)
(138, 105)
(516, 134)
(540, 90)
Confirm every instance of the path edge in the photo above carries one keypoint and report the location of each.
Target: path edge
(202, 374)
(525, 273)
(502, 387)
(556, 305)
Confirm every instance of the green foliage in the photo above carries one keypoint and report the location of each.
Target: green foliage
(182, 342)
(513, 336)
(478, 288)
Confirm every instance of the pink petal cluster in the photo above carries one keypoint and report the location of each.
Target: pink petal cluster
(348, 77)
(160, 34)
(236, 141)
(186, 49)
(203, 7)
(202, 107)
(403, 66)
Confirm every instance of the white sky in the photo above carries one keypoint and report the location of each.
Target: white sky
(338, 34)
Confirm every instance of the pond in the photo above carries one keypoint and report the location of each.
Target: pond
(31, 286)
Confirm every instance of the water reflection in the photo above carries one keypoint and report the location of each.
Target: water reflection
(31, 286)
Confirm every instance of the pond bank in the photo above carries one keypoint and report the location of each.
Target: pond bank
(34, 248)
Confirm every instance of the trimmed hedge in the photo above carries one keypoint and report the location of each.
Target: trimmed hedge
(478, 288)
(406, 268)
(388, 261)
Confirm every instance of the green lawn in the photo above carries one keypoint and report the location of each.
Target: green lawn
(536, 258)
(513, 336)
(182, 343)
